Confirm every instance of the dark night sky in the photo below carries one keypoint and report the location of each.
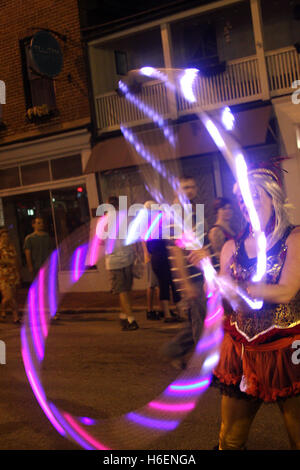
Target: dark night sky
(99, 12)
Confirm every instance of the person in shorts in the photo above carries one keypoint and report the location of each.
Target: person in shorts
(119, 265)
(152, 281)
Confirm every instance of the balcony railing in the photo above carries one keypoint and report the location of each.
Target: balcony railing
(241, 82)
(113, 110)
(283, 66)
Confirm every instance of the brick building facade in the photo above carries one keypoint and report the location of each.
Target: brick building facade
(43, 143)
(20, 20)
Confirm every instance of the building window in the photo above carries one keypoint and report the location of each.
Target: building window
(39, 89)
(9, 178)
(35, 173)
(121, 62)
(70, 166)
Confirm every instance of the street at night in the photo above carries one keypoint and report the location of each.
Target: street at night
(94, 369)
(149, 229)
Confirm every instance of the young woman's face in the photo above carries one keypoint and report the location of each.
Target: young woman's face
(261, 200)
(226, 212)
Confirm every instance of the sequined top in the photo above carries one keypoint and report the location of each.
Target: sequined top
(9, 273)
(273, 320)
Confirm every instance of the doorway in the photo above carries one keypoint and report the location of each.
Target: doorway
(63, 210)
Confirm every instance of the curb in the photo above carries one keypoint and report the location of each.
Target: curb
(93, 310)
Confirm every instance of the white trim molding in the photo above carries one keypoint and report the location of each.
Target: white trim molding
(60, 145)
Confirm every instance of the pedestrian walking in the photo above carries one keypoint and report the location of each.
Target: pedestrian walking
(189, 280)
(119, 263)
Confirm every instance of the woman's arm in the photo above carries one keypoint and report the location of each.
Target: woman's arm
(217, 239)
(289, 282)
(225, 257)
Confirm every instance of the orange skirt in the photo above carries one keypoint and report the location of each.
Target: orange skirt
(264, 372)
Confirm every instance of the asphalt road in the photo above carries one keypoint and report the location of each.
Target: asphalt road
(94, 369)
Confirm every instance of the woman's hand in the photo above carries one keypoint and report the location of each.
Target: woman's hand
(197, 255)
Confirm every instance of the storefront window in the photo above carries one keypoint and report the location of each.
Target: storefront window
(124, 182)
(63, 210)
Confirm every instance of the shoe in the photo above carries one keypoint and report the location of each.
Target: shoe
(132, 326)
(175, 315)
(124, 323)
(153, 315)
(17, 322)
(161, 314)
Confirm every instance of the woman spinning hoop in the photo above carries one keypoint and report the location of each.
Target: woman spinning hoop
(257, 357)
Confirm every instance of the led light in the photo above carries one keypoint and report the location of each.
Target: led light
(215, 134)
(211, 361)
(173, 408)
(153, 423)
(149, 112)
(228, 119)
(186, 83)
(37, 340)
(210, 341)
(85, 435)
(42, 303)
(87, 421)
(185, 387)
(52, 283)
(242, 176)
(133, 233)
(148, 71)
(152, 226)
(214, 316)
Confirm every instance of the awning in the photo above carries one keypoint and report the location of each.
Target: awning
(193, 139)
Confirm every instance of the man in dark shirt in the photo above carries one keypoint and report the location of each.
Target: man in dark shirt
(190, 282)
(37, 247)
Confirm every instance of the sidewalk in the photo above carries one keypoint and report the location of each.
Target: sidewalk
(90, 302)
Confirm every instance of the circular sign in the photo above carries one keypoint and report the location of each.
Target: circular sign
(46, 54)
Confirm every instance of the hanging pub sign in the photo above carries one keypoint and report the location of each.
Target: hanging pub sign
(46, 54)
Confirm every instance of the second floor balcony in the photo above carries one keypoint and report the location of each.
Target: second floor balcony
(240, 82)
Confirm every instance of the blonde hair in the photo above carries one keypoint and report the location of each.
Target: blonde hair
(267, 180)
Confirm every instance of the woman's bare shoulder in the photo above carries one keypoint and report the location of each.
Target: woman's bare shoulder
(226, 256)
(294, 237)
(229, 247)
